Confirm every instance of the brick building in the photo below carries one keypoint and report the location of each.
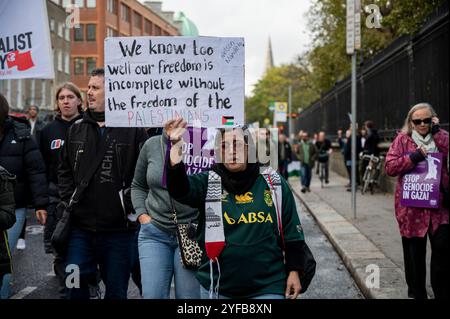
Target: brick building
(105, 18)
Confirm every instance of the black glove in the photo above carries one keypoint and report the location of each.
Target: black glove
(417, 157)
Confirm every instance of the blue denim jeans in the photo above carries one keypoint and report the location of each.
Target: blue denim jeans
(159, 257)
(204, 294)
(13, 236)
(110, 252)
(306, 175)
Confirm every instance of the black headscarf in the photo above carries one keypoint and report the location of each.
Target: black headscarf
(237, 182)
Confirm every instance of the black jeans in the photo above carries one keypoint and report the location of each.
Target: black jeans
(414, 253)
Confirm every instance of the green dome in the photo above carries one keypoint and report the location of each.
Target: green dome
(188, 28)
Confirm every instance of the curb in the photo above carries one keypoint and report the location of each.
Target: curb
(356, 251)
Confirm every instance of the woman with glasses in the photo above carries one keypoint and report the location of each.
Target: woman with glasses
(420, 136)
(248, 217)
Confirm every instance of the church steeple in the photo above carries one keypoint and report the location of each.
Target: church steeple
(269, 57)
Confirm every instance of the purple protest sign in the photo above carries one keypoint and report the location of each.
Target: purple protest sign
(197, 156)
(198, 151)
(420, 187)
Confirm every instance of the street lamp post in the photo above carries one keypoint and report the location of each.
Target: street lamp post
(353, 38)
(290, 111)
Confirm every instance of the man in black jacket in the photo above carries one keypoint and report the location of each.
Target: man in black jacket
(101, 234)
(52, 137)
(20, 155)
(372, 140)
(284, 155)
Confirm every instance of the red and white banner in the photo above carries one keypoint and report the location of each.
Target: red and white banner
(25, 47)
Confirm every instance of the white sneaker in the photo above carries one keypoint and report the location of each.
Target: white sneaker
(21, 244)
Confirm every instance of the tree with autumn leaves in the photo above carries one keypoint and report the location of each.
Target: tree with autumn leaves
(317, 71)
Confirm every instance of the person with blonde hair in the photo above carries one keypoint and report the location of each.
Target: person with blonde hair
(419, 136)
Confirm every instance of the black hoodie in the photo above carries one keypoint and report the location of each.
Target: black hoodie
(52, 138)
(100, 208)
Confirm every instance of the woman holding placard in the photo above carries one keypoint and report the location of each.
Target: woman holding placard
(418, 156)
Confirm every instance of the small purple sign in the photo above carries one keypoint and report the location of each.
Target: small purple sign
(420, 187)
(198, 151)
(198, 155)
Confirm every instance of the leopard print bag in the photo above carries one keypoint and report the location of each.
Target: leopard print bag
(190, 252)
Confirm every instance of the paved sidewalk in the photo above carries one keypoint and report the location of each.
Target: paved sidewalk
(372, 238)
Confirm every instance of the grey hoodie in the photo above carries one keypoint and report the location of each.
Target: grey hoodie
(148, 195)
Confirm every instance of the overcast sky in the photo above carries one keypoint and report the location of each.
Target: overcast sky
(255, 20)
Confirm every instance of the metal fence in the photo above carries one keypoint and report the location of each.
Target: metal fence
(412, 69)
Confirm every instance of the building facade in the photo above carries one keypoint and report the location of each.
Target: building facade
(25, 92)
(99, 19)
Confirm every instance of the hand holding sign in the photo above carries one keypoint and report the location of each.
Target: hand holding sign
(422, 150)
(421, 186)
(175, 130)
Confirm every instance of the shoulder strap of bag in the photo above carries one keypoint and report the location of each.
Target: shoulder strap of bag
(273, 180)
(89, 173)
(166, 156)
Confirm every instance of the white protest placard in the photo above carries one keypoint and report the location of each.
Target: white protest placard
(150, 80)
(25, 48)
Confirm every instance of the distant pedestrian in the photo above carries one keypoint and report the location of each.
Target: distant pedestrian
(284, 155)
(348, 157)
(306, 154)
(324, 150)
(36, 123)
(421, 135)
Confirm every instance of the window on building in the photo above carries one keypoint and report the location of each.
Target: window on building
(137, 20)
(124, 13)
(148, 27)
(67, 63)
(91, 32)
(157, 30)
(67, 33)
(66, 3)
(60, 60)
(52, 25)
(110, 32)
(91, 3)
(78, 66)
(60, 29)
(78, 33)
(111, 6)
(91, 64)
(79, 3)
